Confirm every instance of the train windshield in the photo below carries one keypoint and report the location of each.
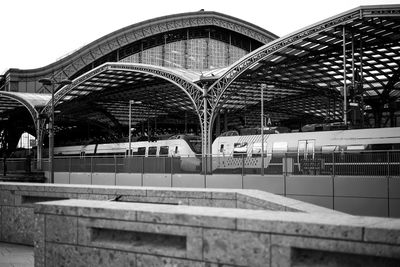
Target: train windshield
(195, 144)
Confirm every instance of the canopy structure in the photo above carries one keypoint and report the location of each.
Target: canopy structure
(344, 69)
(19, 112)
(352, 58)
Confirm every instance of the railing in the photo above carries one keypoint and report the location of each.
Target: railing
(371, 163)
(12, 165)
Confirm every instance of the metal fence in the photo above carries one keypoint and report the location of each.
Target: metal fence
(371, 163)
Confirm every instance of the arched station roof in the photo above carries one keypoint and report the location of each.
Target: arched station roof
(101, 96)
(150, 33)
(303, 71)
(34, 103)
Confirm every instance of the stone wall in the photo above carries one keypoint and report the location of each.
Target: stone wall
(99, 233)
(17, 202)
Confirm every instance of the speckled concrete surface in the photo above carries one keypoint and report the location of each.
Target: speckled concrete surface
(12, 255)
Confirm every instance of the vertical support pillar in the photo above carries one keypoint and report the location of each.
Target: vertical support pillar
(205, 135)
(361, 83)
(51, 138)
(344, 77)
(263, 86)
(39, 144)
(353, 81)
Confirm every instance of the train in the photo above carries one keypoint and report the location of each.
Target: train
(232, 150)
(302, 145)
(177, 146)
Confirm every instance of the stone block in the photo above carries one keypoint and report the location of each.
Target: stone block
(236, 248)
(262, 203)
(67, 255)
(7, 197)
(220, 203)
(61, 229)
(130, 191)
(17, 225)
(296, 223)
(171, 193)
(309, 257)
(156, 239)
(143, 260)
(341, 246)
(101, 197)
(188, 218)
(248, 206)
(232, 195)
(70, 188)
(39, 240)
(54, 207)
(387, 231)
(29, 198)
(280, 256)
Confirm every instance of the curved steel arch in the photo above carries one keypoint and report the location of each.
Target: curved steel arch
(70, 64)
(23, 101)
(192, 90)
(218, 88)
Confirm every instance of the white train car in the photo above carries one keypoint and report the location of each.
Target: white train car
(237, 151)
(178, 146)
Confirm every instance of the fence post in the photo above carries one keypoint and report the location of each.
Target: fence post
(142, 170)
(333, 164)
(69, 169)
(285, 175)
(172, 169)
(115, 169)
(242, 169)
(388, 163)
(91, 170)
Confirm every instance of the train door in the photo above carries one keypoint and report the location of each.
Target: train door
(305, 151)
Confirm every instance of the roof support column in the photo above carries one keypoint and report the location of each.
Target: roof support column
(39, 143)
(206, 136)
(344, 77)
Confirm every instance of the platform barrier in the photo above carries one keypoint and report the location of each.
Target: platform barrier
(98, 233)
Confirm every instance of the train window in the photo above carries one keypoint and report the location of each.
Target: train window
(256, 151)
(221, 148)
(384, 147)
(328, 149)
(176, 150)
(239, 149)
(355, 147)
(141, 151)
(152, 151)
(164, 151)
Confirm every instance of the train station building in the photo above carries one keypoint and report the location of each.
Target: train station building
(205, 73)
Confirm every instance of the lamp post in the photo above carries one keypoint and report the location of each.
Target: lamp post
(130, 124)
(50, 82)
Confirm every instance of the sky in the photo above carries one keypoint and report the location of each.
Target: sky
(36, 33)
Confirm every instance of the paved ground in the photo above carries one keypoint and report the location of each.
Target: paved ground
(12, 255)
